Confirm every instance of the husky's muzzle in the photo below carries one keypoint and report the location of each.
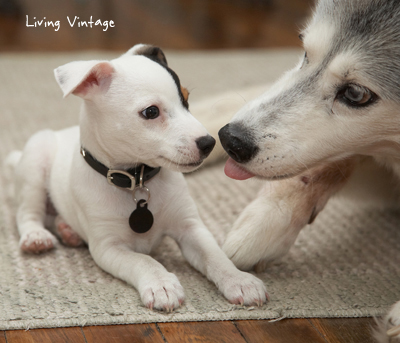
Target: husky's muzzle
(238, 142)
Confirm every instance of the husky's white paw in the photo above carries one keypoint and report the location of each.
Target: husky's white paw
(263, 232)
(68, 236)
(37, 241)
(244, 289)
(164, 293)
(388, 330)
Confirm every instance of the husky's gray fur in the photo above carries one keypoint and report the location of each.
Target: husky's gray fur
(371, 27)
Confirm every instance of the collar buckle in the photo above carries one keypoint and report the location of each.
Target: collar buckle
(109, 177)
(120, 178)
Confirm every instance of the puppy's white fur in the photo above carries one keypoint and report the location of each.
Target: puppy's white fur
(113, 130)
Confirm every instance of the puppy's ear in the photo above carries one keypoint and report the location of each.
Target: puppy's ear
(84, 78)
(149, 51)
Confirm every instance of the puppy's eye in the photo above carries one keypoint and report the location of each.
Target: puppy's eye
(151, 112)
(356, 96)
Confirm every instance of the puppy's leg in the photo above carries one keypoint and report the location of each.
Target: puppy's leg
(68, 236)
(269, 226)
(34, 238)
(203, 253)
(33, 170)
(157, 287)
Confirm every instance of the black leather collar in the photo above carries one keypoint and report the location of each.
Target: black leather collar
(121, 178)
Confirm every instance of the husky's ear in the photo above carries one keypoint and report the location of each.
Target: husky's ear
(83, 78)
(150, 51)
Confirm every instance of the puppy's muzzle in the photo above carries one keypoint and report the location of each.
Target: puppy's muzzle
(238, 142)
(205, 145)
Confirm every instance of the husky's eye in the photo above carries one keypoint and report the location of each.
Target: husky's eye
(356, 96)
(151, 112)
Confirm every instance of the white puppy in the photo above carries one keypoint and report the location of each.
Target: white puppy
(119, 174)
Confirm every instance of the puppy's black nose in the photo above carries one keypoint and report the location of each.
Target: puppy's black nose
(205, 145)
(238, 142)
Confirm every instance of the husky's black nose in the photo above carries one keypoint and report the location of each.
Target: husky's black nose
(205, 145)
(238, 142)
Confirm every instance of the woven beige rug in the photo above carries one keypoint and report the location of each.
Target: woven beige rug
(345, 264)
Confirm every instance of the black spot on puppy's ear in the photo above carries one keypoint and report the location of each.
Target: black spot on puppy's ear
(154, 53)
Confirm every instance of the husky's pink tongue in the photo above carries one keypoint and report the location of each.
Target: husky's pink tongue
(234, 171)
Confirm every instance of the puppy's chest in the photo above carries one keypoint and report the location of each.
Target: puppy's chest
(143, 235)
(113, 209)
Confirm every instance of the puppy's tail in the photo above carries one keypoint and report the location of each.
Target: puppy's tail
(9, 165)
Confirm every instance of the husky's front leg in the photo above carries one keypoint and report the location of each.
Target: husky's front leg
(157, 287)
(269, 226)
(203, 253)
(388, 329)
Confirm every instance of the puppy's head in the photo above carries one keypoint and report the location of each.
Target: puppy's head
(341, 99)
(136, 111)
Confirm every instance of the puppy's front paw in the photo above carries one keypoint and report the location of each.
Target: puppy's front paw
(37, 241)
(244, 289)
(389, 328)
(164, 293)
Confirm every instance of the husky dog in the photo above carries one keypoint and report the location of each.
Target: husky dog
(336, 111)
(136, 136)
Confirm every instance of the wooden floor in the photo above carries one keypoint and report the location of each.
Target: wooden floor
(354, 330)
(178, 24)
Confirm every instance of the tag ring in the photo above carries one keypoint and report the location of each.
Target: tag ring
(141, 185)
(143, 188)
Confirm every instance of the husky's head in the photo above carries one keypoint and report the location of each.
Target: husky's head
(136, 111)
(343, 98)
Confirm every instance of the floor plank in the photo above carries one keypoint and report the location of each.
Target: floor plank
(283, 331)
(138, 333)
(345, 330)
(59, 335)
(339, 330)
(201, 332)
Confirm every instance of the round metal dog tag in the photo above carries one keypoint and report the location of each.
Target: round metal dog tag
(141, 219)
